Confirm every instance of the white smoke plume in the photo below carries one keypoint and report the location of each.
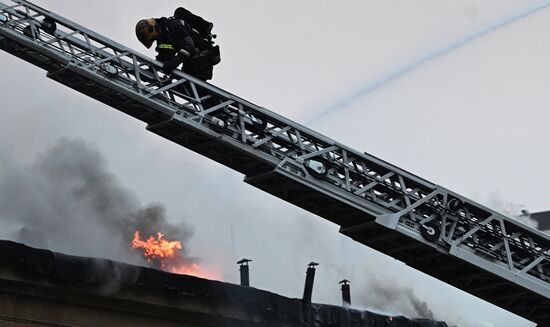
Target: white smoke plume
(496, 201)
(384, 296)
(68, 201)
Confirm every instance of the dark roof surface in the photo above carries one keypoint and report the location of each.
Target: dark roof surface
(543, 218)
(94, 276)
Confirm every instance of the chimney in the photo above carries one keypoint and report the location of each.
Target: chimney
(310, 276)
(346, 293)
(245, 277)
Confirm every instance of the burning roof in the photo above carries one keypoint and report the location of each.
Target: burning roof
(166, 255)
(56, 289)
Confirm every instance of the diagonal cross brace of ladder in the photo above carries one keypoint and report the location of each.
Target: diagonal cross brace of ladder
(380, 205)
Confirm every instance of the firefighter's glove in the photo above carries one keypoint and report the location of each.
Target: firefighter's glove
(182, 56)
(170, 65)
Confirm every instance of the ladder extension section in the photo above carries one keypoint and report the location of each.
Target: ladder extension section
(380, 205)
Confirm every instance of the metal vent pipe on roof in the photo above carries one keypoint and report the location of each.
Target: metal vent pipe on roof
(310, 277)
(245, 275)
(346, 293)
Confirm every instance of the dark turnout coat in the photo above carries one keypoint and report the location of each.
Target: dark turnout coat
(189, 32)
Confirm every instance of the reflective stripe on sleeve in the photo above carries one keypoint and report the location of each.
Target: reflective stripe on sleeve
(166, 46)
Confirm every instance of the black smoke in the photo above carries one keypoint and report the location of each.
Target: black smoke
(68, 201)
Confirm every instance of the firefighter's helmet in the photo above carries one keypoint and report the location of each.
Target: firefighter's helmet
(147, 31)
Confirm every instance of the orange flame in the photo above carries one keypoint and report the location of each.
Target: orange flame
(196, 270)
(156, 249)
(166, 254)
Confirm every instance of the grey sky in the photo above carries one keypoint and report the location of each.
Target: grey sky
(474, 121)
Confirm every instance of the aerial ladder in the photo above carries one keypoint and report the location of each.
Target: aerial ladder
(422, 224)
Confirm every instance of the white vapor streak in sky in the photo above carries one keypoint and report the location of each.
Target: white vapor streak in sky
(390, 77)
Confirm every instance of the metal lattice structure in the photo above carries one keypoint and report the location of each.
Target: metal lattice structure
(380, 205)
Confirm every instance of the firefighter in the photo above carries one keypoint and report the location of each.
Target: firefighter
(184, 39)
